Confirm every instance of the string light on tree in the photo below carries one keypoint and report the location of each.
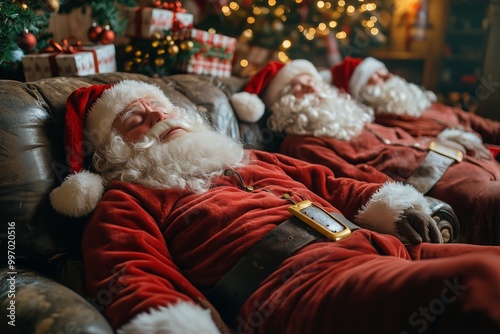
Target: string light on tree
(303, 24)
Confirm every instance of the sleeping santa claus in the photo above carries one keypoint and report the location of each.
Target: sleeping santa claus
(326, 126)
(190, 225)
(397, 102)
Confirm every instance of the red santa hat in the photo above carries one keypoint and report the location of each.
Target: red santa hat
(352, 74)
(90, 112)
(264, 87)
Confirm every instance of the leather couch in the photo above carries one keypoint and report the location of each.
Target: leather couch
(41, 277)
(41, 286)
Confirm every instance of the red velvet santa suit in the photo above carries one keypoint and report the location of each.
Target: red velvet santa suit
(471, 187)
(439, 117)
(147, 248)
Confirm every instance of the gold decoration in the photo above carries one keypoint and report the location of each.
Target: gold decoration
(186, 45)
(159, 62)
(173, 50)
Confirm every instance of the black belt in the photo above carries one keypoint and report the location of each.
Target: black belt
(436, 162)
(239, 283)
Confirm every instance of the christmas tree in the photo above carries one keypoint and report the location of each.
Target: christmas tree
(20, 22)
(158, 54)
(301, 28)
(23, 26)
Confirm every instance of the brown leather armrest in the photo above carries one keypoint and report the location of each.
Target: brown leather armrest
(37, 304)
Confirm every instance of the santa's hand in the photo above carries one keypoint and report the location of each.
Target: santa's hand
(475, 149)
(417, 226)
(470, 143)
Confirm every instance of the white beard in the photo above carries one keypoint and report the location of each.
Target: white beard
(397, 96)
(328, 113)
(188, 161)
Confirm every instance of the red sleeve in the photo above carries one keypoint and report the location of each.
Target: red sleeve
(416, 126)
(345, 195)
(128, 267)
(488, 129)
(313, 150)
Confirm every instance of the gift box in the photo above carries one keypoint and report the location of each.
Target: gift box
(146, 22)
(70, 61)
(210, 54)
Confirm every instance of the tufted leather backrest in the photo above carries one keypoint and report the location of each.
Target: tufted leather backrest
(32, 156)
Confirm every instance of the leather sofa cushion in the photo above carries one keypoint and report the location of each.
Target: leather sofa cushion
(32, 156)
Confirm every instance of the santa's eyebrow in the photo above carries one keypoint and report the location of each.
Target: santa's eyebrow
(127, 113)
(155, 102)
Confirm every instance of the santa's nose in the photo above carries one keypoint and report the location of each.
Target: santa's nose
(156, 116)
(309, 88)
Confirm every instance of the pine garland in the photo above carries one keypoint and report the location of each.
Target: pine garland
(13, 21)
(104, 12)
(33, 16)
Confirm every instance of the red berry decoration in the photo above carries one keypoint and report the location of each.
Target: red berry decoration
(107, 36)
(26, 41)
(94, 32)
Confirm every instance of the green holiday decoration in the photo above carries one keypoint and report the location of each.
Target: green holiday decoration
(103, 12)
(24, 23)
(301, 28)
(18, 18)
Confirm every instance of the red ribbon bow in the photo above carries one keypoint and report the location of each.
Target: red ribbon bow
(69, 45)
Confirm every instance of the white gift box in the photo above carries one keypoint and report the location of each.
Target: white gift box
(82, 60)
(145, 22)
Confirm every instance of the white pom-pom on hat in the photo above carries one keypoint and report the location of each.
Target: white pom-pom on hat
(78, 194)
(249, 107)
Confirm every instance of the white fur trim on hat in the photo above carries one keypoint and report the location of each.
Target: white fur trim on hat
(181, 318)
(112, 102)
(387, 204)
(78, 195)
(248, 107)
(285, 75)
(362, 74)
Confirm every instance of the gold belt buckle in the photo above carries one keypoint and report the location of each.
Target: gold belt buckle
(320, 220)
(447, 151)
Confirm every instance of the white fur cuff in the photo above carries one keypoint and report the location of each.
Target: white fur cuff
(180, 318)
(385, 207)
(457, 135)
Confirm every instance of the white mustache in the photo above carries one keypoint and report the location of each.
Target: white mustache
(161, 127)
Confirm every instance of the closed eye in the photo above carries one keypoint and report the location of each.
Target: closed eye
(134, 121)
(136, 125)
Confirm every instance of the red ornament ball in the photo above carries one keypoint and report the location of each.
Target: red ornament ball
(94, 32)
(107, 36)
(26, 41)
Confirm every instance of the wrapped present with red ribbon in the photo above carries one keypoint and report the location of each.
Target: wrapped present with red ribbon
(148, 21)
(69, 59)
(202, 52)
